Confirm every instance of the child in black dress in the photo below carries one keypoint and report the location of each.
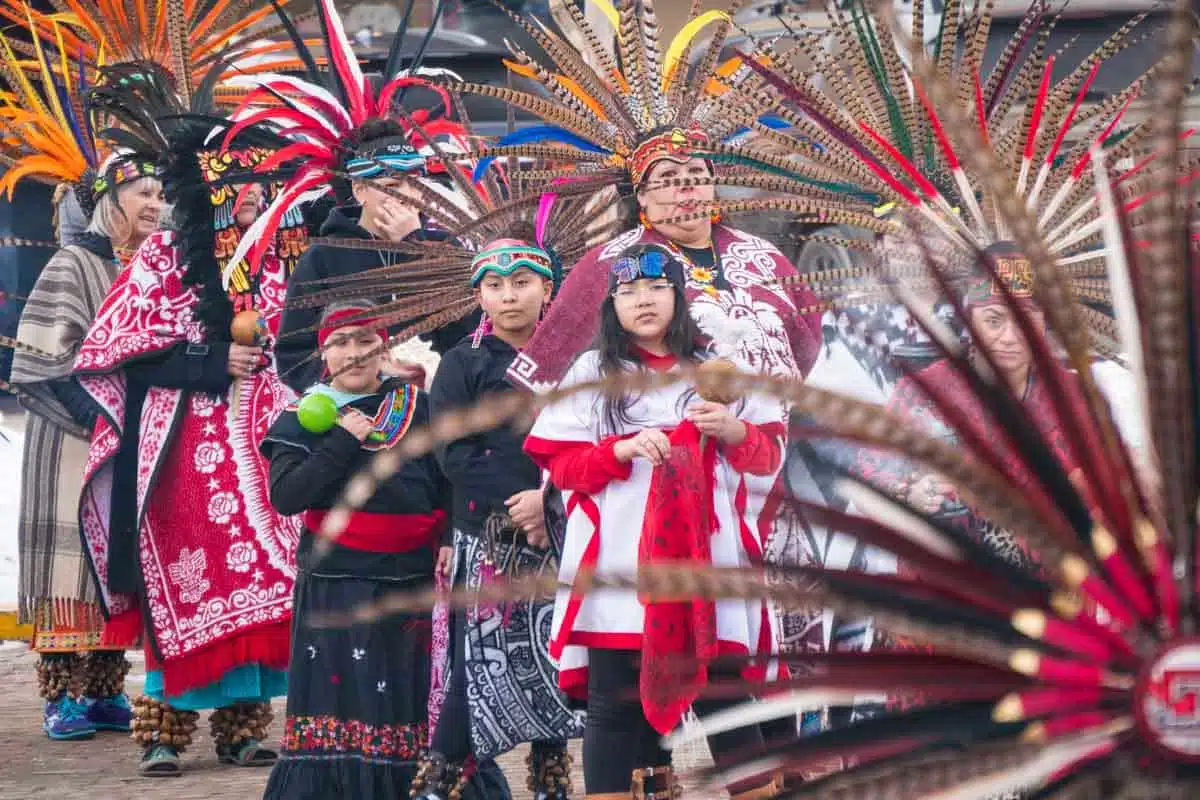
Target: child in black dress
(357, 697)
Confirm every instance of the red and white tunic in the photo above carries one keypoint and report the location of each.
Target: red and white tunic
(606, 503)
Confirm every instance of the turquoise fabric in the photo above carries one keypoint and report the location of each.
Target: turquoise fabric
(249, 683)
(338, 396)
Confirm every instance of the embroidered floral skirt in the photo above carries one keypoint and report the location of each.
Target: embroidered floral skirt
(357, 698)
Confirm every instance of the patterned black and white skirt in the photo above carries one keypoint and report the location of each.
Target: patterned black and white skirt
(512, 682)
(357, 697)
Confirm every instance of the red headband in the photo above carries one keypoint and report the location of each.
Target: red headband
(345, 318)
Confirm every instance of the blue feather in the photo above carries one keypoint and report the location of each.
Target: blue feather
(89, 135)
(533, 135)
(768, 120)
(548, 133)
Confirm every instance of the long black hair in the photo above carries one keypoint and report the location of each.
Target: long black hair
(615, 348)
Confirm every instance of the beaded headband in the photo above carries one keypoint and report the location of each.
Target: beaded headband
(678, 145)
(506, 259)
(121, 172)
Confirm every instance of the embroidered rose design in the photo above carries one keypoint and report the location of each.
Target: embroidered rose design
(241, 556)
(221, 507)
(203, 405)
(208, 456)
(188, 574)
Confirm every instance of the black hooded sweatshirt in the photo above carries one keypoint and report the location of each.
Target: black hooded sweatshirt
(488, 468)
(295, 352)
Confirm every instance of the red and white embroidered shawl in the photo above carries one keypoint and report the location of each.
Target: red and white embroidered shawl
(217, 561)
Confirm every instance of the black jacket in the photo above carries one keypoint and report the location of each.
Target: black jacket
(295, 353)
(310, 471)
(486, 469)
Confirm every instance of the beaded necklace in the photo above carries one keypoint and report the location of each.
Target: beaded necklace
(706, 277)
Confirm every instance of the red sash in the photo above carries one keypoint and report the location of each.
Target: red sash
(384, 533)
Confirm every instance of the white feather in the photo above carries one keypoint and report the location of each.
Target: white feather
(755, 712)
(1129, 327)
(299, 90)
(430, 72)
(1034, 772)
(898, 519)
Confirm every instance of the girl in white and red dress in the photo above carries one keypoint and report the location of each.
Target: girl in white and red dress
(655, 476)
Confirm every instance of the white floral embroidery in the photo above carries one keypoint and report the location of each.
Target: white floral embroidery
(241, 556)
(381, 686)
(312, 652)
(208, 456)
(358, 654)
(188, 574)
(221, 507)
(203, 404)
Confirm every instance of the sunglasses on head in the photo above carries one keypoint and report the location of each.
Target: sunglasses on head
(647, 264)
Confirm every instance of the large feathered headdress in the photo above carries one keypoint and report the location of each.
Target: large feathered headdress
(610, 119)
(186, 37)
(321, 119)
(500, 224)
(200, 173)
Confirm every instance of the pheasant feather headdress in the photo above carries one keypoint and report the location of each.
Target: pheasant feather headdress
(882, 136)
(499, 224)
(610, 119)
(322, 120)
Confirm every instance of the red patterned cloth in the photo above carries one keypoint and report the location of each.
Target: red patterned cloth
(217, 561)
(678, 525)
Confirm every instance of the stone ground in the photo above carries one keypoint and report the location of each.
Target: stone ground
(104, 768)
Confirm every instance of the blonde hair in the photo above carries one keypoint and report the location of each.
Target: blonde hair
(109, 219)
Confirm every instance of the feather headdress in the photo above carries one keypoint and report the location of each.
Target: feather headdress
(610, 119)
(202, 177)
(889, 151)
(499, 224)
(186, 37)
(323, 121)
(880, 134)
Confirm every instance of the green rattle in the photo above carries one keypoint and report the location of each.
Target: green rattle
(317, 413)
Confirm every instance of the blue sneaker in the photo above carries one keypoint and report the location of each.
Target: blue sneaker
(110, 713)
(67, 719)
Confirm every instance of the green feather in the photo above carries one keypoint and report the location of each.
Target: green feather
(847, 189)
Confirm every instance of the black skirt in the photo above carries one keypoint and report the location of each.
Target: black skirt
(357, 697)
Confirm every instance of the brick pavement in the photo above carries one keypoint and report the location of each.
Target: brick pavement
(104, 768)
